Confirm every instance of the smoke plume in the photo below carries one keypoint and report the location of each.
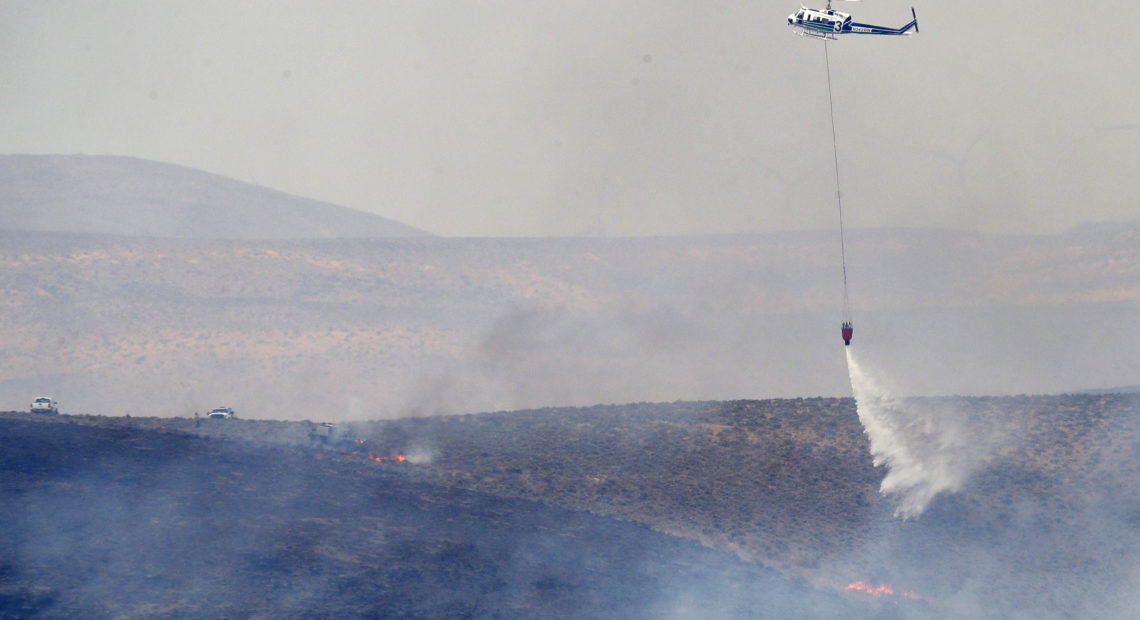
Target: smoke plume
(927, 446)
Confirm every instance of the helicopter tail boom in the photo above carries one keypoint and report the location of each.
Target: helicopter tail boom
(873, 29)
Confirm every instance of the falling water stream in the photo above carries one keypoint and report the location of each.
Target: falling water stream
(924, 447)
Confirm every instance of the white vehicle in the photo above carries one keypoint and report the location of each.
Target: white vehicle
(43, 404)
(221, 413)
(331, 434)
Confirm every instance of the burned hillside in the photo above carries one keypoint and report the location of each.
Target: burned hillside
(142, 520)
(755, 502)
(1046, 518)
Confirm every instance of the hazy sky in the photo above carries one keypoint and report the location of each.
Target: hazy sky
(620, 117)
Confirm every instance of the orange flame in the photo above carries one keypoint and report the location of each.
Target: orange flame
(399, 458)
(880, 590)
(863, 586)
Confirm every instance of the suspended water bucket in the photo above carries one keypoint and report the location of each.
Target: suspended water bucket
(848, 330)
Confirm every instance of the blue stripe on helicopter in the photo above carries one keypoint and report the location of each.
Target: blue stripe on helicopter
(822, 27)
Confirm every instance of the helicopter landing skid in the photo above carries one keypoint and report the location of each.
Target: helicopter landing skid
(827, 36)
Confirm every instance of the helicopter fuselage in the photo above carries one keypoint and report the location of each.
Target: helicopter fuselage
(826, 23)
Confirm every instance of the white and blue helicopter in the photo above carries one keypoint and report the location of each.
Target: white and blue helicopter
(826, 23)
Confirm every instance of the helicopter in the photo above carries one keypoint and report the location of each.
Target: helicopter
(827, 23)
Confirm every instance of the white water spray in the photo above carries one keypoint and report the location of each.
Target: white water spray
(926, 448)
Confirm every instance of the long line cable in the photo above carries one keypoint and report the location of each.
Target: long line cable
(838, 191)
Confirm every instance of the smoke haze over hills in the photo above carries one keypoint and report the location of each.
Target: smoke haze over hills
(309, 328)
(397, 330)
(390, 327)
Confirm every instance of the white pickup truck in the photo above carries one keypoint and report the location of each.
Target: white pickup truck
(221, 412)
(43, 404)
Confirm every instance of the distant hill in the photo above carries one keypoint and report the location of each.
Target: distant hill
(141, 198)
(334, 329)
